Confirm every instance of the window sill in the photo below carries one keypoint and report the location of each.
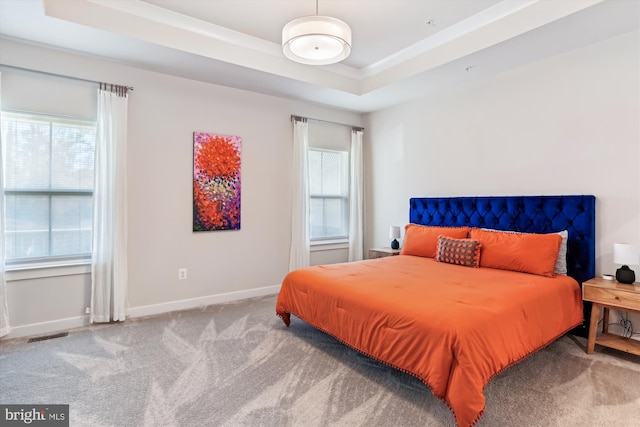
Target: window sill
(39, 271)
(329, 245)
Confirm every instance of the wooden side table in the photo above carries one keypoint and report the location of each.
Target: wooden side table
(607, 294)
(382, 252)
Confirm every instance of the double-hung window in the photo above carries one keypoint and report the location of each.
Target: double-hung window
(329, 194)
(48, 187)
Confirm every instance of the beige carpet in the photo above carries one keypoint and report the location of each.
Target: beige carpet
(238, 365)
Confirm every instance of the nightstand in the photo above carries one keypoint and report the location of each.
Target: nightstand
(607, 294)
(382, 252)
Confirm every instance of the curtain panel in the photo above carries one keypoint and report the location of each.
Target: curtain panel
(109, 265)
(300, 242)
(4, 305)
(356, 197)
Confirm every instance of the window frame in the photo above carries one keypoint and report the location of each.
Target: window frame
(52, 261)
(329, 242)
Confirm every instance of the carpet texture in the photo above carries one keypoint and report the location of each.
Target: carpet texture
(236, 364)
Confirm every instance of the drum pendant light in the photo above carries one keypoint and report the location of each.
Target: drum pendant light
(316, 40)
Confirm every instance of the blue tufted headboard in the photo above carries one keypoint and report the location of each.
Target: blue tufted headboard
(529, 214)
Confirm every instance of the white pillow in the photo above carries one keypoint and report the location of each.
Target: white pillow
(561, 261)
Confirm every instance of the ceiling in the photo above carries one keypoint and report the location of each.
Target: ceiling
(401, 49)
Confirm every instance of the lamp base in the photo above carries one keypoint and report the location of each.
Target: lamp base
(396, 245)
(625, 275)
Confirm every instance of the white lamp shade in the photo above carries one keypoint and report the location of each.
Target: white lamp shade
(394, 232)
(316, 40)
(625, 254)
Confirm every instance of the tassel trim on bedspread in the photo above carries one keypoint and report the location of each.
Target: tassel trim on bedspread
(286, 318)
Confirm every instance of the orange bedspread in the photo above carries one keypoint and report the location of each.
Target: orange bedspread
(453, 327)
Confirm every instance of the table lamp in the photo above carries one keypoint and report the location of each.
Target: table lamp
(625, 254)
(394, 233)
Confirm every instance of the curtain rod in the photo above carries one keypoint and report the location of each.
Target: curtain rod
(58, 75)
(300, 118)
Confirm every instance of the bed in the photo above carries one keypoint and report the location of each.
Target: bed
(457, 326)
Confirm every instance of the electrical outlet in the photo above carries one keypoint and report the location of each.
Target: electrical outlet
(87, 310)
(182, 274)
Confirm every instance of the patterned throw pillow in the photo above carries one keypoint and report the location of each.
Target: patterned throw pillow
(458, 251)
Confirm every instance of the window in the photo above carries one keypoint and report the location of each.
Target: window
(48, 187)
(329, 194)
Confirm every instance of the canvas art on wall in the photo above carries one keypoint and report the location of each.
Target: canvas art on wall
(216, 181)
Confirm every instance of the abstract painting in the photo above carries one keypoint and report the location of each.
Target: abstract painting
(216, 181)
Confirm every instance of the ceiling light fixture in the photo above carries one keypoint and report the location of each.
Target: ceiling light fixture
(316, 40)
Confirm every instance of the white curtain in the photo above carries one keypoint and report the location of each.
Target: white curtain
(299, 256)
(4, 306)
(356, 179)
(109, 267)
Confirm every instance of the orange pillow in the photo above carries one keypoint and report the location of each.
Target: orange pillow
(422, 240)
(525, 252)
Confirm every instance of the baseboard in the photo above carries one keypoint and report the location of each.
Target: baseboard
(58, 325)
(45, 328)
(185, 304)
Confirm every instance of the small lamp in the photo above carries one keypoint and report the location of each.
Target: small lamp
(394, 233)
(625, 254)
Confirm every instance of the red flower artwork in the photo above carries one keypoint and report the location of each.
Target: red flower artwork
(216, 182)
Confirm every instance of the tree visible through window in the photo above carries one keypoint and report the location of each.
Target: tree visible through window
(48, 186)
(329, 194)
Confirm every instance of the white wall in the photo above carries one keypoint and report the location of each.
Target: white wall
(569, 124)
(164, 111)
